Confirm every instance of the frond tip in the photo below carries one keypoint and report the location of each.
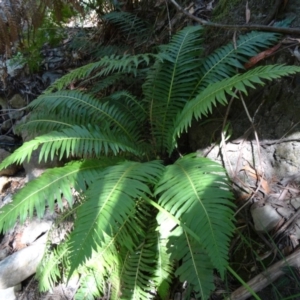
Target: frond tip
(109, 202)
(217, 92)
(195, 191)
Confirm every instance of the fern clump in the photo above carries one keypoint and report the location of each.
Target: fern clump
(138, 216)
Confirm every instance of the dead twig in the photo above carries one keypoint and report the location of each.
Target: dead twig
(268, 276)
(284, 30)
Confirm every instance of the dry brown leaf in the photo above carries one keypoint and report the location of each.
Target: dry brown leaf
(255, 59)
(265, 185)
(250, 171)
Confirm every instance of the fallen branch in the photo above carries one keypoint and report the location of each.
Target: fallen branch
(237, 27)
(265, 278)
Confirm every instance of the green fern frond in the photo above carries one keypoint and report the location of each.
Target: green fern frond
(106, 82)
(196, 267)
(170, 83)
(130, 105)
(130, 24)
(107, 261)
(109, 50)
(98, 269)
(225, 61)
(77, 142)
(218, 91)
(48, 189)
(49, 271)
(139, 268)
(195, 191)
(110, 200)
(103, 261)
(164, 268)
(43, 124)
(125, 247)
(77, 108)
(104, 67)
(89, 287)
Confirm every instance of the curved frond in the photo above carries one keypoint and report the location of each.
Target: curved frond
(90, 287)
(225, 61)
(107, 261)
(106, 82)
(139, 268)
(104, 67)
(170, 82)
(218, 91)
(195, 191)
(96, 271)
(130, 24)
(163, 272)
(77, 142)
(48, 272)
(43, 124)
(48, 189)
(109, 201)
(130, 105)
(77, 108)
(196, 267)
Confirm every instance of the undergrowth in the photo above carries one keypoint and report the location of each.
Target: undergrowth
(141, 222)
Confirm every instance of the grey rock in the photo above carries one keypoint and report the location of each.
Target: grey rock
(22, 264)
(3, 253)
(16, 114)
(295, 202)
(49, 77)
(7, 199)
(6, 125)
(9, 294)
(264, 216)
(14, 68)
(35, 229)
(7, 139)
(10, 170)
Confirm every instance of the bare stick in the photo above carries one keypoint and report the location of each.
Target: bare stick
(237, 27)
(265, 278)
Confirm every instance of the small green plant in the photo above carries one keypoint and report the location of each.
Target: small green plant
(33, 39)
(140, 220)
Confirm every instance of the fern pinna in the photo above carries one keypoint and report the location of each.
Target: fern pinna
(138, 216)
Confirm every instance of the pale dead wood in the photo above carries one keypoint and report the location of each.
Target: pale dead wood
(265, 278)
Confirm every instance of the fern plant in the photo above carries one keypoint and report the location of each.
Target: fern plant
(138, 216)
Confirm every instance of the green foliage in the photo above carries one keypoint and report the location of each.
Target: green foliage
(106, 66)
(139, 221)
(132, 27)
(49, 32)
